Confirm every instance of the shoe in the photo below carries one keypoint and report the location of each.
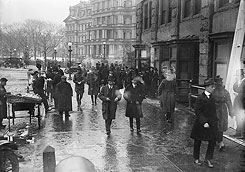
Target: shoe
(169, 121)
(138, 130)
(221, 148)
(209, 164)
(198, 162)
(131, 129)
(108, 132)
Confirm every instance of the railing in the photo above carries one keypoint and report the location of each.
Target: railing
(193, 94)
(187, 90)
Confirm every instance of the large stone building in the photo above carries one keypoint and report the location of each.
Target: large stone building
(102, 30)
(194, 36)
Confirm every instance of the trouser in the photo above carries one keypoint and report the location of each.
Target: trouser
(79, 97)
(44, 99)
(137, 123)
(108, 125)
(209, 152)
(219, 136)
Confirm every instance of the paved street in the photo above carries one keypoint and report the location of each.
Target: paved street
(158, 148)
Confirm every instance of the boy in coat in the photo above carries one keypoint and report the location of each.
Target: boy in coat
(110, 95)
(205, 126)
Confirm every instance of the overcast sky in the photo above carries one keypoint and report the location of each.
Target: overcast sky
(49, 10)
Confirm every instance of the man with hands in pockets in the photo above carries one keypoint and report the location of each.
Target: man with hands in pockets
(205, 125)
(110, 95)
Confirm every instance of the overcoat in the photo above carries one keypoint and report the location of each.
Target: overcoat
(109, 107)
(64, 94)
(205, 111)
(57, 79)
(93, 81)
(131, 95)
(3, 102)
(167, 92)
(77, 78)
(223, 107)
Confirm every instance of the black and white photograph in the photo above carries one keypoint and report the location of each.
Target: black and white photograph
(122, 86)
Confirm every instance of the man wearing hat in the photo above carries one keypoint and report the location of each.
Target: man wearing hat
(79, 79)
(110, 95)
(134, 95)
(64, 93)
(205, 126)
(38, 88)
(3, 101)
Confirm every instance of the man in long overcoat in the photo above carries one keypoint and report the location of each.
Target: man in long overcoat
(79, 79)
(205, 126)
(64, 94)
(3, 101)
(134, 95)
(110, 95)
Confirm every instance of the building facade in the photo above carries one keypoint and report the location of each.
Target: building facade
(193, 36)
(105, 32)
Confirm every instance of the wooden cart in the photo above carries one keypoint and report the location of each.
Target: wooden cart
(20, 103)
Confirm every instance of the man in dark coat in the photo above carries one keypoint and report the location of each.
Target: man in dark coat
(3, 102)
(79, 79)
(38, 88)
(134, 95)
(64, 93)
(110, 95)
(205, 126)
(57, 79)
(60, 71)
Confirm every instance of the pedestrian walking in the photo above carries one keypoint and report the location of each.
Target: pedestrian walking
(93, 81)
(239, 103)
(223, 109)
(38, 88)
(167, 92)
(110, 96)
(205, 125)
(79, 79)
(57, 79)
(134, 95)
(64, 93)
(60, 71)
(3, 101)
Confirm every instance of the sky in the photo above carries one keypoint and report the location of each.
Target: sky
(55, 11)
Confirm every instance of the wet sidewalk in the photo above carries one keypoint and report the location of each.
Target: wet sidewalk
(159, 148)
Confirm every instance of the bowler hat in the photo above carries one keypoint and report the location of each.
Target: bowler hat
(63, 77)
(3, 80)
(208, 82)
(35, 73)
(218, 80)
(111, 78)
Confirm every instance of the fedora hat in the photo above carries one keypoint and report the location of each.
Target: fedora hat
(208, 82)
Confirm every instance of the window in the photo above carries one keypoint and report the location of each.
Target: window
(146, 16)
(198, 6)
(150, 13)
(165, 12)
(222, 3)
(187, 8)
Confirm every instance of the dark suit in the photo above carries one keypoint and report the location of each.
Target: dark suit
(109, 107)
(205, 113)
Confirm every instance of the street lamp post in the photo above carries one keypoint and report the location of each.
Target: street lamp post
(55, 52)
(104, 44)
(70, 50)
